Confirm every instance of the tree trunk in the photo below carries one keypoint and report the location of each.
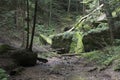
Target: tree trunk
(84, 12)
(27, 20)
(23, 24)
(34, 23)
(77, 6)
(69, 3)
(50, 14)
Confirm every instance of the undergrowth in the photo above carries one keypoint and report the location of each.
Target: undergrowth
(106, 57)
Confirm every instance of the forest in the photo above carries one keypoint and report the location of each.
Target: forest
(59, 39)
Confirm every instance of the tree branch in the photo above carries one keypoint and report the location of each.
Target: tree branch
(84, 17)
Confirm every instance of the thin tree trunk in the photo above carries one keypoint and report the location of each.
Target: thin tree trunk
(77, 4)
(50, 14)
(84, 9)
(27, 41)
(23, 24)
(34, 23)
(69, 3)
(15, 18)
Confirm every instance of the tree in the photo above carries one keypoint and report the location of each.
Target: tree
(50, 13)
(27, 20)
(69, 3)
(34, 25)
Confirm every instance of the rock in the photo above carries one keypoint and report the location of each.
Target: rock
(25, 58)
(68, 42)
(96, 39)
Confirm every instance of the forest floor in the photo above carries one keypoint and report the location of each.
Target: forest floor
(63, 68)
(58, 68)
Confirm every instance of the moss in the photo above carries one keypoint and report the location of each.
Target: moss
(69, 42)
(62, 41)
(44, 39)
(77, 44)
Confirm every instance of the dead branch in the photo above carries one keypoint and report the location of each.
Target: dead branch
(84, 17)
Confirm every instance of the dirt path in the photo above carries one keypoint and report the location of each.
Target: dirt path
(65, 68)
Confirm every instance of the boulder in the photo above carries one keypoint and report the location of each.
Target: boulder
(24, 57)
(68, 42)
(96, 39)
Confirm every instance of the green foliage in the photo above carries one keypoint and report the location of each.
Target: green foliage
(3, 75)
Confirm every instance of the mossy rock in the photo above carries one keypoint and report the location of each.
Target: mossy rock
(4, 48)
(44, 40)
(68, 42)
(96, 39)
(25, 57)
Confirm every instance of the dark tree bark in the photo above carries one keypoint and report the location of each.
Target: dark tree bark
(34, 23)
(27, 20)
(23, 23)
